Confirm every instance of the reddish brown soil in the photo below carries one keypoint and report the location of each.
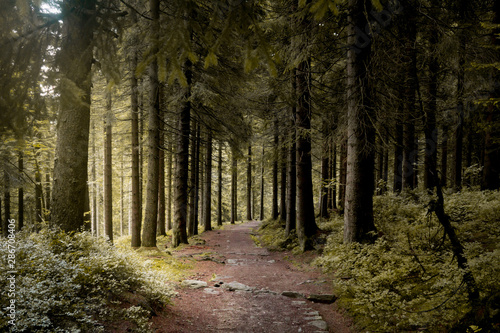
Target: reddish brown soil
(231, 255)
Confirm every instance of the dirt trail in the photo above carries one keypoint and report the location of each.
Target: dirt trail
(230, 255)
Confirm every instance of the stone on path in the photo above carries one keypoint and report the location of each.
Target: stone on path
(321, 324)
(194, 284)
(233, 286)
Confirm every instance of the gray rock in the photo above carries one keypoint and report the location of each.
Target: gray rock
(211, 291)
(321, 324)
(292, 294)
(233, 286)
(327, 298)
(314, 318)
(194, 284)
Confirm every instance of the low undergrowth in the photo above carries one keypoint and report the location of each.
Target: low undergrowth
(408, 280)
(79, 283)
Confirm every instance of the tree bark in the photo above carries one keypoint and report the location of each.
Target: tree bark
(398, 159)
(179, 234)
(249, 183)
(325, 175)
(262, 187)
(274, 203)
(342, 174)
(219, 186)
(161, 228)
(20, 190)
(430, 128)
(234, 187)
(108, 171)
(198, 180)
(491, 172)
(207, 217)
(169, 182)
(151, 212)
(70, 166)
(358, 216)
(193, 174)
(136, 211)
(291, 193)
(306, 224)
(283, 167)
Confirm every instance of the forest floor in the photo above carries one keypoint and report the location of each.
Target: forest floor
(255, 303)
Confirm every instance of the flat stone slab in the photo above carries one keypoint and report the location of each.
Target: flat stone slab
(194, 284)
(321, 324)
(233, 286)
(211, 291)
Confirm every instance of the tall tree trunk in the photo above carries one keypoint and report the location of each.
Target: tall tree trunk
(333, 193)
(234, 187)
(38, 197)
(444, 157)
(94, 183)
(20, 195)
(161, 179)
(325, 174)
(108, 171)
(306, 224)
(342, 173)
(207, 217)
(274, 203)
(491, 172)
(193, 174)
(179, 233)
(459, 131)
(291, 193)
(262, 187)
(219, 186)
(48, 197)
(151, 212)
(398, 159)
(198, 180)
(358, 216)
(283, 167)
(122, 196)
(136, 211)
(410, 151)
(70, 166)
(249, 183)
(430, 128)
(169, 182)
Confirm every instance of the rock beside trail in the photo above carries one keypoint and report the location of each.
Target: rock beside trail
(194, 284)
(327, 298)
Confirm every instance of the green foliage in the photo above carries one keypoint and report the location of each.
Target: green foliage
(76, 283)
(408, 279)
(272, 236)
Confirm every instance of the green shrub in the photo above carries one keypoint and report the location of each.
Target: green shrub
(74, 283)
(408, 280)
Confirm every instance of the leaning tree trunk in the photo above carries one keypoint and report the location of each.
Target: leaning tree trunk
(274, 203)
(70, 166)
(151, 209)
(358, 216)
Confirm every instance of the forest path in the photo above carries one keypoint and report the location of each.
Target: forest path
(254, 303)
